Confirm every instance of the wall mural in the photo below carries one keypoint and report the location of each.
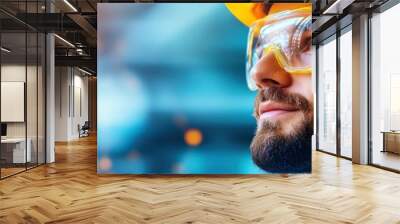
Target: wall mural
(204, 88)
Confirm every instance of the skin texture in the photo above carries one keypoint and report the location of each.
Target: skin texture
(282, 143)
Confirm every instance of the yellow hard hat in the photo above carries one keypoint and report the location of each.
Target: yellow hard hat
(248, 13)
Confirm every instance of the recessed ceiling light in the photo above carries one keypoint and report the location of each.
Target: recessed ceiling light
(64, 40)
(5, 50)
(70, 5)
(337, 7)
(84, 71)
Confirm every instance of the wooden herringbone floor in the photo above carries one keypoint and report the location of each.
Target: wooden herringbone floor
(70, 191)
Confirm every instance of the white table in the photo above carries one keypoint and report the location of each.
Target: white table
(19, 155)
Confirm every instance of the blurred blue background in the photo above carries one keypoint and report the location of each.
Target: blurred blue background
(172, 92)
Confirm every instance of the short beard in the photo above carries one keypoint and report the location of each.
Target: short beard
(278, 153)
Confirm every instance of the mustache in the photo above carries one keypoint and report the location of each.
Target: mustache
(279, 95)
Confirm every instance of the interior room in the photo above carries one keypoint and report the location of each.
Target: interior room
(53, 101)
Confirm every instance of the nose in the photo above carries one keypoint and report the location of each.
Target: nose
(267, 72)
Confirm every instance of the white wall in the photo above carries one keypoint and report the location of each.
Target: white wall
(71, 93)
(80, 110)
(12, 73)
(62, 81)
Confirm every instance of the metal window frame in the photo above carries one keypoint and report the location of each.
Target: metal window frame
(387, 5)
(334, 37)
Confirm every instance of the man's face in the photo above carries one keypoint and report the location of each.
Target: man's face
(284, 112)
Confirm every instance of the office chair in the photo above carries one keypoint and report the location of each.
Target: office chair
(84, 130)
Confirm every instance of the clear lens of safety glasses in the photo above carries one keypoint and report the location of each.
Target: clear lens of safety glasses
(285, 35)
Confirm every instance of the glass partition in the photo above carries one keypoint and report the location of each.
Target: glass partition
(327, 96)
(14, 151)
(22, 77)
(346, 93)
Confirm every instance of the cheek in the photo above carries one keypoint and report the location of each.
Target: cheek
(302, 85)
(256, 103)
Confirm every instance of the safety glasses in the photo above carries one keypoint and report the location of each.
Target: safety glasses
(287, 37)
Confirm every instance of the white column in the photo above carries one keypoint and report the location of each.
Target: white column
(50, 99)
(50, 92)
(360, 90)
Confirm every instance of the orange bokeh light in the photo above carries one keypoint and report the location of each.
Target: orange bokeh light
(193, 137)
(105, 163)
